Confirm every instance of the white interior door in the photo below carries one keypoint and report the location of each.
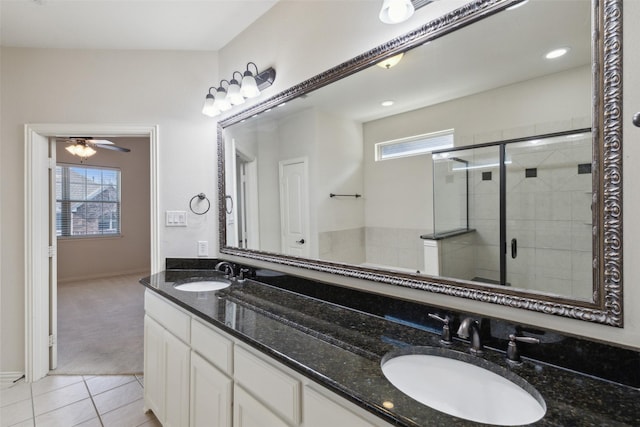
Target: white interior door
(248, 205)
(294, 207)
(231, 191)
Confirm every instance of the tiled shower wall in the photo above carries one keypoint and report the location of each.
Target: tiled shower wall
(549, 200)
(393, 248)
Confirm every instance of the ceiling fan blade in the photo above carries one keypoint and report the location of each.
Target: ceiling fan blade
(112, 146)
(99, 141)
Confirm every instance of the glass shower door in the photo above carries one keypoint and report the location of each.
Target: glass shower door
(548, 214)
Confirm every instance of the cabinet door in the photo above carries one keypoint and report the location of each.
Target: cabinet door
(211, 393)
(320, 411)
(154, 367)
(176, 402)
(248, 412)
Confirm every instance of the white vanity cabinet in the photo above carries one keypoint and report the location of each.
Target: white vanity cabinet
(166, 362)
(197, 375)
(211, 382)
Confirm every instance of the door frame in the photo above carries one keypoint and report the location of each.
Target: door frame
(37, 223)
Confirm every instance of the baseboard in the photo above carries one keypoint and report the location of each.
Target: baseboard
(142, 274)
(7, 379)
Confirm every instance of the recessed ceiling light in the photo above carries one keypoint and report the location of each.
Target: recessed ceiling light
(557, 53)
(386, 103)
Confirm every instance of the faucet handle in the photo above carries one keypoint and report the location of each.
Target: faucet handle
(244, 272)
(445, 337)
(513, 355)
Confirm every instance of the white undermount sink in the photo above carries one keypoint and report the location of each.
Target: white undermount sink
(205, 285)
(462, 388)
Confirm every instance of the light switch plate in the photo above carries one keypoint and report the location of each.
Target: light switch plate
(176, 219)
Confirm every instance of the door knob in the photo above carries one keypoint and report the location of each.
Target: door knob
(301, 241)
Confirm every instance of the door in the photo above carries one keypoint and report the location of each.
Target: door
(294, 207)
(231, 191)
(211, 395)
(248, 218)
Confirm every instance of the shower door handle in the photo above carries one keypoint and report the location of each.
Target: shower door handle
(514, 248)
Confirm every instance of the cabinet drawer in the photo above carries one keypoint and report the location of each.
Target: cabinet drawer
(211, 345)
(168, 315)
(279, 391)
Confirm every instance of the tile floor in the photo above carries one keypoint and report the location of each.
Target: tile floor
(66, 401)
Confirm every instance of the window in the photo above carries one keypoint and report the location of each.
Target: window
(414, 145)
(87, 201)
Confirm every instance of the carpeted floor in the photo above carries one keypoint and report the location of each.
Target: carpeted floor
(101, 326)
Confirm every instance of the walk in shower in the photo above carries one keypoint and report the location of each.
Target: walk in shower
(517, 213)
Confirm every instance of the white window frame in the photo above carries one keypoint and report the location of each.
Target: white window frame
(65, 199)
(433, 143)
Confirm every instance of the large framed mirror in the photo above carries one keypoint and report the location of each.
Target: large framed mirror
(475, 167)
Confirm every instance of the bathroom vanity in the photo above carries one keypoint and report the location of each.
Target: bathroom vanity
(281, 354)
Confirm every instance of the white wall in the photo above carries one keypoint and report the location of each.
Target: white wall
(162, 88)
(293, 34)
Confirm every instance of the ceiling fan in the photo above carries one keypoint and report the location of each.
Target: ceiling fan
(83, 146)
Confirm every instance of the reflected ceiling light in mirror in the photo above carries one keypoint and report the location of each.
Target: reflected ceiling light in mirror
(388, 103)
(557, 53)
(236, 92)
(392, 61)
(396, 11)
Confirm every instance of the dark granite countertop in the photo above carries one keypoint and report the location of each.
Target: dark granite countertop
(342, 348)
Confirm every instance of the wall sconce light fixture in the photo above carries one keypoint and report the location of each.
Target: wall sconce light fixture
(249, 86)
(396, 11)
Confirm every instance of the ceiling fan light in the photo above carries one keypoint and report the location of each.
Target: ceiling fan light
(249, 87)
(396, 11)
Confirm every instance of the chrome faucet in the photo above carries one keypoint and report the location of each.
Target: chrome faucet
(227, 268)
(470, 328)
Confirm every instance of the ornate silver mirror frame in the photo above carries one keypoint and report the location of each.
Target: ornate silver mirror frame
(606, 307)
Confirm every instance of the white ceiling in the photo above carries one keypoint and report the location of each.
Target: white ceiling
(127, 24)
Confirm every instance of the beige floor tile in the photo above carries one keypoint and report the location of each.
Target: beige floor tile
(15, 413)
(94, 422)
(130, 415)
(101, 384)
(152, 423)
(118, 397)
(54, 382)
(26, 423)
(69, 415)
(15, 393)
(60, 397)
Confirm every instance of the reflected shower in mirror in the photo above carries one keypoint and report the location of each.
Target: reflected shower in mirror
(473, 156)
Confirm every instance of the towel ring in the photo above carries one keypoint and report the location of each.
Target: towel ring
(200, 196)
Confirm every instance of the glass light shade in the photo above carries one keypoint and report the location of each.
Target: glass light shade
(391, 61)
(81, 150)
(209, 109)
(233, 93)
(396, 11)
(249, 88)
(221, 102)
